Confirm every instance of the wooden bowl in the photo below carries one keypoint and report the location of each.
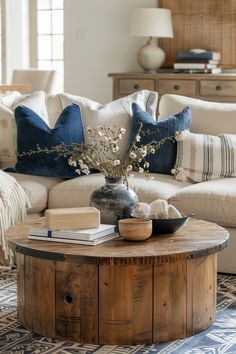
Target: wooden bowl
(135, 229)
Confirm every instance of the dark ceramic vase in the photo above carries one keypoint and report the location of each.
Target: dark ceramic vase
(114, 200)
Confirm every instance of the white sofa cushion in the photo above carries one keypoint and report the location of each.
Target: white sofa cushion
(116, 113)
(36, 188)
(213, 200)
(207, 117)
(76, 192)
(202, 157)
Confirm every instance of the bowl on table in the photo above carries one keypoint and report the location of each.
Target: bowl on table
(168, 226)
(135, 229)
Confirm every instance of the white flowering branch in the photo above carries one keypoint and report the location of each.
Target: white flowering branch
(102, 153)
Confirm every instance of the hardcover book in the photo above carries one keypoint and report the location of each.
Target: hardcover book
(198, 71)
(203, 55)
(81, 234)
(95, 242)
(197, 60)
(194, 66)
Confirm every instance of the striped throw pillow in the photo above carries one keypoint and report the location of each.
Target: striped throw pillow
(203, 157)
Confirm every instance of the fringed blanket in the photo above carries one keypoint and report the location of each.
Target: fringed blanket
(13, 205)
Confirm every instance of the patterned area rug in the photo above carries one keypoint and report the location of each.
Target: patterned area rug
(218, 339)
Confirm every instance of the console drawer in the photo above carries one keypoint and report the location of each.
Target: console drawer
(217, 88)
(127, 86)
(180, 87)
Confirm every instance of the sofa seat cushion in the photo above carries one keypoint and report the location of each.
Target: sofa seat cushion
(156, 186)
(36, 188)
(76, 192)
(213, 200)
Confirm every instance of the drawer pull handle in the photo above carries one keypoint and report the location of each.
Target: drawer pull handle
(218, 88)
(176, 87)
(68, 298)
(136, 86)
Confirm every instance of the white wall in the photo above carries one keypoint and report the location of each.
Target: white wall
(97, 42)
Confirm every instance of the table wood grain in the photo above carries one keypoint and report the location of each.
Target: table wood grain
(119, 292)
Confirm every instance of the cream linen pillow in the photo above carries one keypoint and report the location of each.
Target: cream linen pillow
(8, 135)
(207, 117)
(117, 112)
(202, 157)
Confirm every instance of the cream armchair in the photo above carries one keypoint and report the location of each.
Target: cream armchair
(46, 80)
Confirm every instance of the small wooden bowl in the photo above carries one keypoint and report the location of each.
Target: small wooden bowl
(135, 229)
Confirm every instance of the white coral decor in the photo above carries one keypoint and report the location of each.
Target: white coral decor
(159, 209)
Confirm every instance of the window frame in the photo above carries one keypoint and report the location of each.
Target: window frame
(33, 60)
(33, 33)
(3, 40)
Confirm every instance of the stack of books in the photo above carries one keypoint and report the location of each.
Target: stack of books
(90, 237)
(198, 62)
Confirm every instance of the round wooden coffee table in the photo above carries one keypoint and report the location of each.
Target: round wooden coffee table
(119, 292)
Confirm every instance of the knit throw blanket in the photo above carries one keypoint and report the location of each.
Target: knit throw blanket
(13, 205)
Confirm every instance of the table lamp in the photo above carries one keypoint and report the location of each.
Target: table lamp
(151, 22)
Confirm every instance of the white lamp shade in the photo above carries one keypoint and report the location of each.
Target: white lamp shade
(151, 22)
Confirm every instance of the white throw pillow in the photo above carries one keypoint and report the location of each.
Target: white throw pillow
(8, 132)
(116, 113)
(207, 117)
(202, 157)
(36, 102)
(54, 108)
(10, 98)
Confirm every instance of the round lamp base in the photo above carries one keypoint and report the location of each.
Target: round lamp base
(150, 56)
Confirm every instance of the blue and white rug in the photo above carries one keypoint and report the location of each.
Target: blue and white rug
(218, 339)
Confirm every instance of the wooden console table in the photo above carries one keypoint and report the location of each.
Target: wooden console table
(209, 87)
(23, 88)
(119, 292)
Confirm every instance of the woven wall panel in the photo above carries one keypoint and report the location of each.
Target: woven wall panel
(207, 24)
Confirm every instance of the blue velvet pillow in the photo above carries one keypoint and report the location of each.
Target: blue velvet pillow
(164, 158)
(33, 131)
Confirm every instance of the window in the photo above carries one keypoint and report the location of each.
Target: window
(1, 59)
(48, 36)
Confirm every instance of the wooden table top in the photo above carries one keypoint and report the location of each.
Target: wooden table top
(197, 238)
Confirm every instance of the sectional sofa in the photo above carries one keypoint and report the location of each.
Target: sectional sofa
(213, 200)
